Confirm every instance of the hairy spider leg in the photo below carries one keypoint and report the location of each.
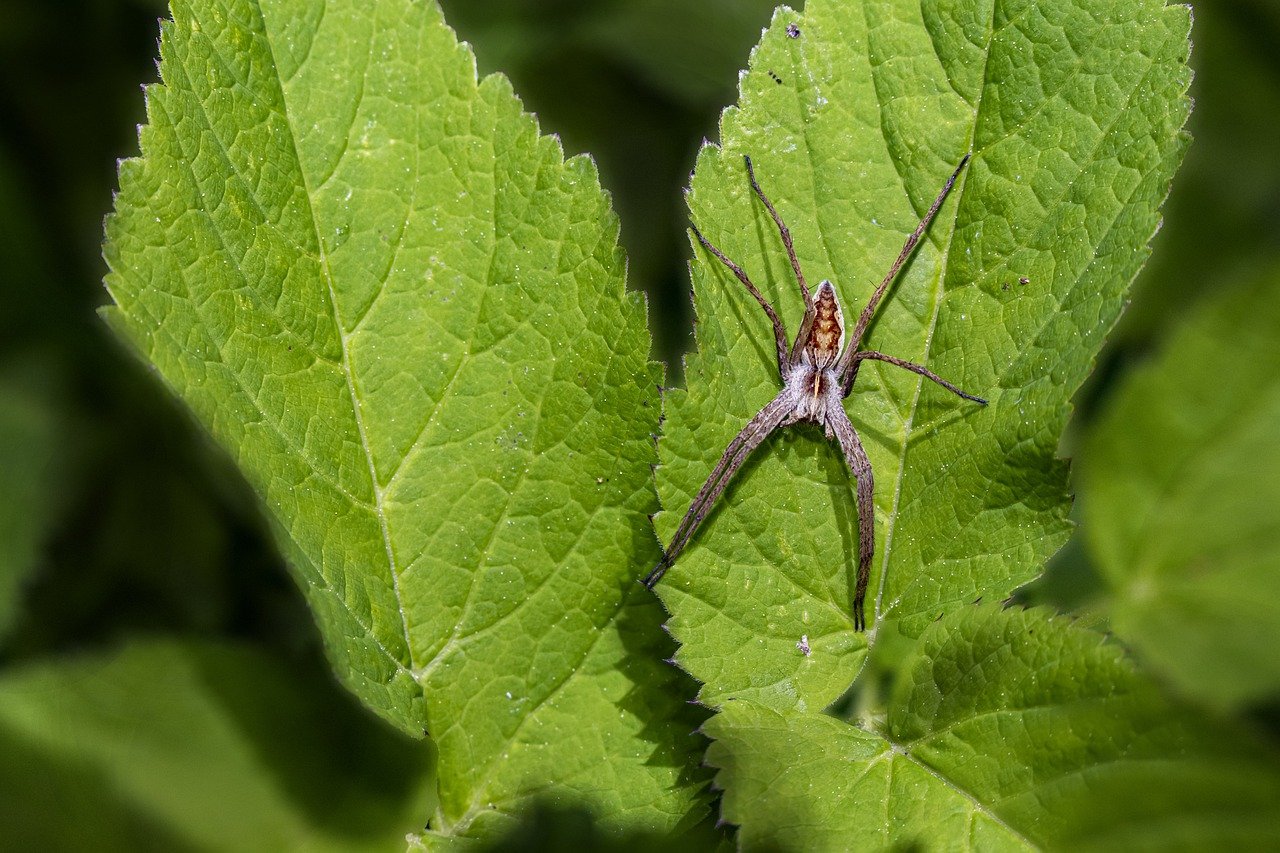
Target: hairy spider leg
(862, 355)
(856, 457)
(779, 334)
(860, 465)
(807, 322)
(783, 230)
(759, 427)
(847, 436)
(847, 370)
(747, 440)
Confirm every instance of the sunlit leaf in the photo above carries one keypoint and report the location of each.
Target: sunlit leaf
(403, 313)
(854, 114)
(1007, 730)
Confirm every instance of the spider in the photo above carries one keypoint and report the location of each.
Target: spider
(817, 373)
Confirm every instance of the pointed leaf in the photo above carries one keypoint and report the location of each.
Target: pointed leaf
(854, 117)
(403, 313)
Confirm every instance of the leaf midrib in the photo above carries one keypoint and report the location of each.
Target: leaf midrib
(937, 297)
(378, 507)
(977, 805)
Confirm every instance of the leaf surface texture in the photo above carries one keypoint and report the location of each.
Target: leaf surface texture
(402, 312)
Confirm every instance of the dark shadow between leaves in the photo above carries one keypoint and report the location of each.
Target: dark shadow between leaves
(344, 768)
(550, 827)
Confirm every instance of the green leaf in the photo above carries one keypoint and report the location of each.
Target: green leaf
(1181, 480)
(403, 313)
(1007, 729)
(1072, 110)
(1220, 218)
(176, 745)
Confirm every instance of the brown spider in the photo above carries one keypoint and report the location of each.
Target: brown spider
(817, 374)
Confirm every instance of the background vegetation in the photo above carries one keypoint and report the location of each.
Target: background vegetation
(124, 534)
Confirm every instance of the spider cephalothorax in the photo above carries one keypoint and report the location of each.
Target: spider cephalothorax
(817, 373)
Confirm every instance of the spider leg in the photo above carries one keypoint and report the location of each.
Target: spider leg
(845, 369)
(748, 439)
(779, 334)
(785, 233)
(860, 465)
(862, 355)
(783, 230)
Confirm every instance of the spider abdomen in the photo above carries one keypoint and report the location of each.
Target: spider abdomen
(827, 334)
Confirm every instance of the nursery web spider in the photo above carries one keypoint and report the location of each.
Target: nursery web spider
(817, 373)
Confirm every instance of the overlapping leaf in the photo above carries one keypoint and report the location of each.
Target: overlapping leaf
(1181, 480)
(1007, 730)
(854, 114)
(402, 312)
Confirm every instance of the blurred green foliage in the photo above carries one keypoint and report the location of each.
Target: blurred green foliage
(127, 523)
(121, 745)
(1220, 230)
(1182, 475)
